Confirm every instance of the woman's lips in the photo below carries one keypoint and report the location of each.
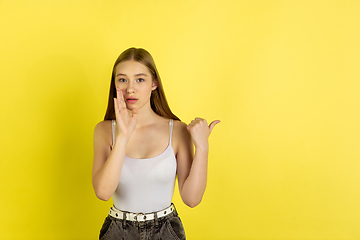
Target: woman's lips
(131, 100)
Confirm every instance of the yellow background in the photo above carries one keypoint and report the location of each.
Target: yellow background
(283, 76)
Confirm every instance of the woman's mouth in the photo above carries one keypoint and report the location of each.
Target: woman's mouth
(131, 100)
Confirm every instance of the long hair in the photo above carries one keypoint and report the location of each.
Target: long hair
(158, 100)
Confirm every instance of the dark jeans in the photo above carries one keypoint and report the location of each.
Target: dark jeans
(168, 227)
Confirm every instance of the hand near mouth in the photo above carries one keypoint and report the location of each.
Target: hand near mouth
(126, 123)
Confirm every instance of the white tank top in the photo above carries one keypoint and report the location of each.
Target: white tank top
(146, 185)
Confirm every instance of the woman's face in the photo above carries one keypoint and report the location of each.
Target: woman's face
(135, 81)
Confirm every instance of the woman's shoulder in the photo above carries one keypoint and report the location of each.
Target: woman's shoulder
(181, 137)
(179, 125)
(103, 127)
(180, 130)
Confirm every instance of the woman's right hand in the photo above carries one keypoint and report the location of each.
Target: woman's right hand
(125, 123)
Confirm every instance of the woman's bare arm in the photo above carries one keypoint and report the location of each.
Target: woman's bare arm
(192, 168)
(108, 163)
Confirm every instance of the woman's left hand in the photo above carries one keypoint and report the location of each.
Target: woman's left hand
(200, 131)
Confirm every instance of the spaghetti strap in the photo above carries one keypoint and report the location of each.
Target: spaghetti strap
(113, 122)
(171, 123)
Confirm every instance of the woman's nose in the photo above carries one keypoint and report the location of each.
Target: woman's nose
(130, 87)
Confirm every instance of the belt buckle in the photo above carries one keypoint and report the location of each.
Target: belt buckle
(138, 217)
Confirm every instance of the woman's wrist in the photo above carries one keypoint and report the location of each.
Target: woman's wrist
(121, 139)
(204, 148)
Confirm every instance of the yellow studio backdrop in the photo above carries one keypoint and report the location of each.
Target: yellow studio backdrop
(282, 76)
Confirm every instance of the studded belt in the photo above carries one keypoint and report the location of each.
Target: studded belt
(139, 217)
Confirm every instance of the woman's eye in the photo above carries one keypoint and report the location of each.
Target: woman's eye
(122, 80)
(140, 80)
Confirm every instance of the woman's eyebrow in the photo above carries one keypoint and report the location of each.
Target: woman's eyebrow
(140, 74)
(136, 75)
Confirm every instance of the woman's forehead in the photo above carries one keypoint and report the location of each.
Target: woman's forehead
(131, 68)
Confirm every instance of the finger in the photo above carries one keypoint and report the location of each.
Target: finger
(116, 107)
(120, 98)
(135, 113)
(197, 120)
(212, 124)
(192, 123)
(119, 120)
(200, 120)
(189, 127)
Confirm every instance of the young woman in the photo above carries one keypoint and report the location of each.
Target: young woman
(140, 148)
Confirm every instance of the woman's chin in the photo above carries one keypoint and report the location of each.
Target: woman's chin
(130, 107)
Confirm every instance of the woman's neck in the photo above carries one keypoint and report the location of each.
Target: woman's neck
(146, 116)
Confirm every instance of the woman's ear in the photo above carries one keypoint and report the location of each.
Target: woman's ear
(154, 85)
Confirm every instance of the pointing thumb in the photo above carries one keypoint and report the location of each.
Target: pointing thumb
(212, 124)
